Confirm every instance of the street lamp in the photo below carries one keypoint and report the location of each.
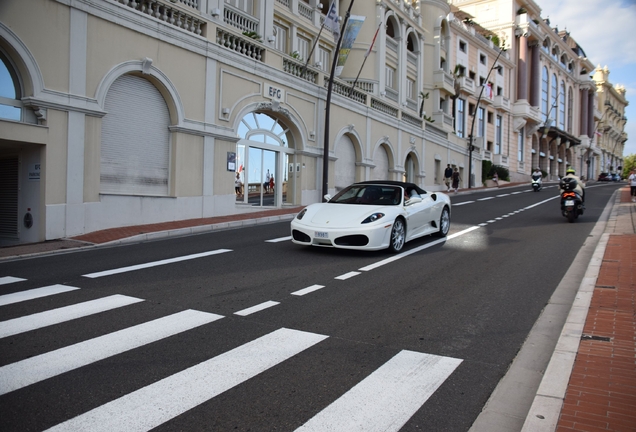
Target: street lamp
(472, 126)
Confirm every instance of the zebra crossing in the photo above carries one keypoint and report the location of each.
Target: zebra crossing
(385, 400)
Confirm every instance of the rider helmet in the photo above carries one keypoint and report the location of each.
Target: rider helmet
(570, 171)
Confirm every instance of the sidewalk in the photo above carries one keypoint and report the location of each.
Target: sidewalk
(590, 383)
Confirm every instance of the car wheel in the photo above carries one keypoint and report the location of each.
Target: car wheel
(398, 235)
(444, 223)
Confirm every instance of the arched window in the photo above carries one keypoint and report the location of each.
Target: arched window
(390, 31)
(562, 106)
(545, 84)
(554, 98)
(10, 91)
(264, 129)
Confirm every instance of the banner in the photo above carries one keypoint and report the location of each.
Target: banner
(331, 20)
(348, 38)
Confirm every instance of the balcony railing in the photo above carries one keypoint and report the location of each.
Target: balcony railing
(170, 14)
(240, 20)
(239, 44)
(501, 102)
(444, 80)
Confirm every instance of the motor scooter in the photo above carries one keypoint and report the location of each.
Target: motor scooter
(536, 182)
(571, 202)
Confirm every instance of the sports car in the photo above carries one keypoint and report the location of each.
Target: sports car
(373, 215)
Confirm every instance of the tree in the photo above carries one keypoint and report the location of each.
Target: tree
(629, 163)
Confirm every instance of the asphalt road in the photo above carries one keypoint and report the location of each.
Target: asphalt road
(284, 337)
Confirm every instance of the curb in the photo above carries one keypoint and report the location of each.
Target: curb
(546, 408)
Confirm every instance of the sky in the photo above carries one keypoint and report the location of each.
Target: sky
(604, 29)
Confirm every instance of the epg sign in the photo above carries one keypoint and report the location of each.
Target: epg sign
(273, 92)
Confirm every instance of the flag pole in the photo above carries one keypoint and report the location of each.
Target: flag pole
(325, 157)
(313, 47)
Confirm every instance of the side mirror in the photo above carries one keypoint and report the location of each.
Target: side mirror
(327, 197)
(413, 200)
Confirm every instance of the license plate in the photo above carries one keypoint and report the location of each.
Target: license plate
(569, 202)
(319, 234)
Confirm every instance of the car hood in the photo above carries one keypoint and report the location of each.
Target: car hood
(340, 215)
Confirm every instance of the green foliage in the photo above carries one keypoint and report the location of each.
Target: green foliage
(488, 169)
(252, 35)
(629, 163)
(296, 55)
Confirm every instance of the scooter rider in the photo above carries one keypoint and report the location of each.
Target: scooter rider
(580, 186)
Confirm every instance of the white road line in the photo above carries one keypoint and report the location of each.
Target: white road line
(483, 224)
(157, 403)
(485, 199)
(491, 221)
(307, 290)
(10, 279)
(515, 193)
(277, 240)
(30, 371)
(503, 195)
(63, 314)
(463, 203)
(155, 263)
(34, 293)
(417, 249)
(540, 202)
(257, 308)
(347, 275)
(388, 398)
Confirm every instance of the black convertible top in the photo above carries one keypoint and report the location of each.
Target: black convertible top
(405, 185)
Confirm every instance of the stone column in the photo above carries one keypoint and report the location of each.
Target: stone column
(590, 114)
(584, 108)
(522, 69)
(535, 75)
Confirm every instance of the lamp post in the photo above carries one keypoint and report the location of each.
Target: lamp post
(472, 126)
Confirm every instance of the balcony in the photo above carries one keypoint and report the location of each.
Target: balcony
(466, 85)
(525, 110)
(445, 121)
(501, 102)
(444, 81)
(499, 159)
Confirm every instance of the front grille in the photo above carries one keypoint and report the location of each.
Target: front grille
(352, 240)
(300, 236)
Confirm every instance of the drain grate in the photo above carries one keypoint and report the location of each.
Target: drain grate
(605, 286)
(596, 338)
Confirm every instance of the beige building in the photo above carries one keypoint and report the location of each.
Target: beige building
(610, 132)
(126, 112)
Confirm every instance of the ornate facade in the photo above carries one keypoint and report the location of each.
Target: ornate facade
(127, 112)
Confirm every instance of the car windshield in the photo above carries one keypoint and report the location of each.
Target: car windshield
(369, 195)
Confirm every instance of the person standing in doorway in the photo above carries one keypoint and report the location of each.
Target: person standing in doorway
(448, 175)
(456, 179)
(495, 178)
(238, 185)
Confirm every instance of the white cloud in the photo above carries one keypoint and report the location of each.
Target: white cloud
(602, 28)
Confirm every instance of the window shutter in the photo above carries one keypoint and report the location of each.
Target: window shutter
(135, 148)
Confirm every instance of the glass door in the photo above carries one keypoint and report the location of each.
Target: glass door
(261, 177)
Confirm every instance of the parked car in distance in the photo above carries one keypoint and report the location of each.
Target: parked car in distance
(616, 177)
(604, 177)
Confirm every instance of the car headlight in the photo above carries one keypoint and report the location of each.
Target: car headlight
(301, 214)
(374, 217)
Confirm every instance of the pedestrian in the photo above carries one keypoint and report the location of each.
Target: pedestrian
(495, 178)
(448, 175)
(632, 184)
(238, 185)
(271, 184)
(456, 179)
(266, 182)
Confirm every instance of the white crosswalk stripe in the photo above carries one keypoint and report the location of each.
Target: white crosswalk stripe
(34, 369)
(157, 403)
(387, 398)
(384, 401)
(67, 313)
(34, 293)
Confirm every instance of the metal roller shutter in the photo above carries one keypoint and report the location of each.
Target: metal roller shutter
(9, 198)
(135, 148)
